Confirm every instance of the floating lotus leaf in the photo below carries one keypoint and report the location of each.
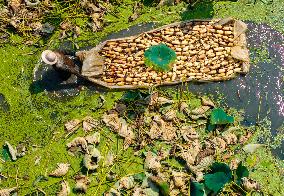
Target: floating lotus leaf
(160, 57)
(220, 117)
(221, 167)
(220, 175)
(197, 189)
(241, 172)
(216, 181)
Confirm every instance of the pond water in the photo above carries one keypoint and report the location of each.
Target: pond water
(259, 93)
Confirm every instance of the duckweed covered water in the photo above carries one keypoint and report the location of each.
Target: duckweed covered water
(30, 116)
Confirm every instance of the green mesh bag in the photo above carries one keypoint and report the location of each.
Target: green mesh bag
(160, 57)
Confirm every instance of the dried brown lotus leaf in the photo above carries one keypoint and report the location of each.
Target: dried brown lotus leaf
(179, 178)
(250, 185)
(127, 142)
(205, 153)
(153, 99)
(8, 191)
(82, 183)
(12, 151)
(89, 123)
(109, 159)
(61, 170)
(188, 133)
(138, 191)
(196, 117)
(91, 161)
(189, 155)
(219, 143)
(168, 132)
(155, 131)
(207, 102)
(162, 130)
(125, 130)
(15, 5)
(152, 162)
(78, 142)
(199, 176)
(244, 138)
(234, 163)
(120, 126)
(201, 110)
(72, 125)
(170, 115)
(230, 138)
(93, 139)
(112, 121)
(205, 163)
(65, 189)
(184, 108)
(163, 100)
(127, 182)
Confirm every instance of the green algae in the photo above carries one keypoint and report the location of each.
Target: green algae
(36, 120)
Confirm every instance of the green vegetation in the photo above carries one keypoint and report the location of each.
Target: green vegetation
(36, 119)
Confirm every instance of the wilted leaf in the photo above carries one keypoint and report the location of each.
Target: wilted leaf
(11, 150)
(8, 191)
(220, 117)
(89, 123)
(251, 148)
(127, 182)
(81, 183)
(249, 184)
(197, 189)
(216, 181)
(109, 159)
(201, 110)
(207, 101)
(93, 139)
(72, 125)
(91, 160)
(78, 142)
(61, 170)
(152, 162)
(65, 189)
(241, 172)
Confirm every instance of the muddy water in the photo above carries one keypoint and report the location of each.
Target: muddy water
(259, 93)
